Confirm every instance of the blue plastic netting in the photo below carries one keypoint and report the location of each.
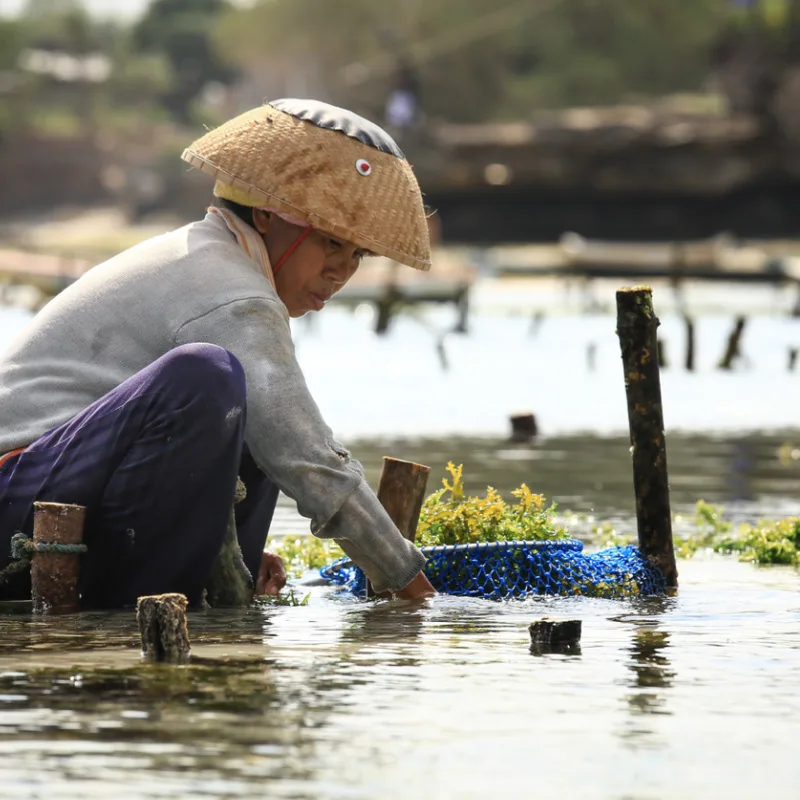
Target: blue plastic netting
(504, 570)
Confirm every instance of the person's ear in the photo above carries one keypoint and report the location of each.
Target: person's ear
(261, 219)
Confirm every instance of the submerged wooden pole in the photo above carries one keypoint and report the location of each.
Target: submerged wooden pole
(636, 327)
(57, 544)
(401, 491)
(163, 627)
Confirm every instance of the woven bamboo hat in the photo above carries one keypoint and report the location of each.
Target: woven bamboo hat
(322, 166)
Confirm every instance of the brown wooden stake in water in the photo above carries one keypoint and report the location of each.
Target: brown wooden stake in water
(54, 576)
(689, 343)
(523, 427)
(163, 627)
(549, 632)
(636, 326)
(733, 349)
(401, 492)
(662, 353)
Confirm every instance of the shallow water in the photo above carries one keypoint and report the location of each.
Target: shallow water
(692, 696)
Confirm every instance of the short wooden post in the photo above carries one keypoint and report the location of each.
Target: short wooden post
(461, 300)
(401, 492)
(636, 326)
(387, 306)
(54, 574)
(733, 347)
(793, 351)
(554, 633)
(163, 627)
(523, 427)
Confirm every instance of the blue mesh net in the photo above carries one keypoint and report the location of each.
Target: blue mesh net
(505, 570)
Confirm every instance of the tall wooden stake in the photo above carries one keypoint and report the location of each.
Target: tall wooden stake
(401, 492)
(636, 326)
(54, 575)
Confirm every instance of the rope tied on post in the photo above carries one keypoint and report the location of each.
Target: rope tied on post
(23, 548)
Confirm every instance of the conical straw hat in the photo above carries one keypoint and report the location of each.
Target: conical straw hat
(323, 166)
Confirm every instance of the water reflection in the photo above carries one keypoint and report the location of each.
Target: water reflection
(651, 669)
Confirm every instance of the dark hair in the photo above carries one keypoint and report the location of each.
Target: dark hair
(244, 213)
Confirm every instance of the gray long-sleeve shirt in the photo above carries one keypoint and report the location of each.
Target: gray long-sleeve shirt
(196, 284)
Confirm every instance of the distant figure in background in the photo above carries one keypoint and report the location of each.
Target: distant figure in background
(403, 104)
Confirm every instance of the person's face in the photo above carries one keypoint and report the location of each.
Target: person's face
(315, 271)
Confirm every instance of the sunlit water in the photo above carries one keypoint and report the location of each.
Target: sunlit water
(695, 696)
(692, 696)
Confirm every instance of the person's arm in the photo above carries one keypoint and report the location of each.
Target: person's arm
(291, 443)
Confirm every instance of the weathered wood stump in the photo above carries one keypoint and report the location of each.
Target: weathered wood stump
(636, 326)
(57, 542)
(401, 491)
(554, 634)
(163, 627)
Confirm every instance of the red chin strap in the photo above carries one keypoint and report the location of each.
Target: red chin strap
(297, 242)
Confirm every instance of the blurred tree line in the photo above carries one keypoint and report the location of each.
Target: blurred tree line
(462, 60)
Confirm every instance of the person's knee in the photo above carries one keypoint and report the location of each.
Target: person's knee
(208, 371)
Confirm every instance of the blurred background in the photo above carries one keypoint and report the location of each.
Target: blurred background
(565, 147)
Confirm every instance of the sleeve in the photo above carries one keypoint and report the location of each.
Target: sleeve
(290, 441)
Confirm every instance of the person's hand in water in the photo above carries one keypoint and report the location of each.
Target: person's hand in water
(271, 575)
(418, 589)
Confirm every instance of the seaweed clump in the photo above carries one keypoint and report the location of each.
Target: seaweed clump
(762, 542)
(450, 517)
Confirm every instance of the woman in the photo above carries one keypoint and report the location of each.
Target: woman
(146, 387)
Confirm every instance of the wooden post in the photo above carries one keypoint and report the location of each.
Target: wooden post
(554, 633)
(662, 353)
(386, 306)
(163, 627)
(523, 427)
(636, 326)
(54, 575)
(732, 349)
(462, 309)
(401, 491)
(689, 343)
(792, 358)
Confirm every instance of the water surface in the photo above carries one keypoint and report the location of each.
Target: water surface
(693, 696)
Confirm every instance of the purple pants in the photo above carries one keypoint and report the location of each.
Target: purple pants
(155, 463)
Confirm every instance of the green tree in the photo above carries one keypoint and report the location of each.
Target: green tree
(179, 29)
(484, 59)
